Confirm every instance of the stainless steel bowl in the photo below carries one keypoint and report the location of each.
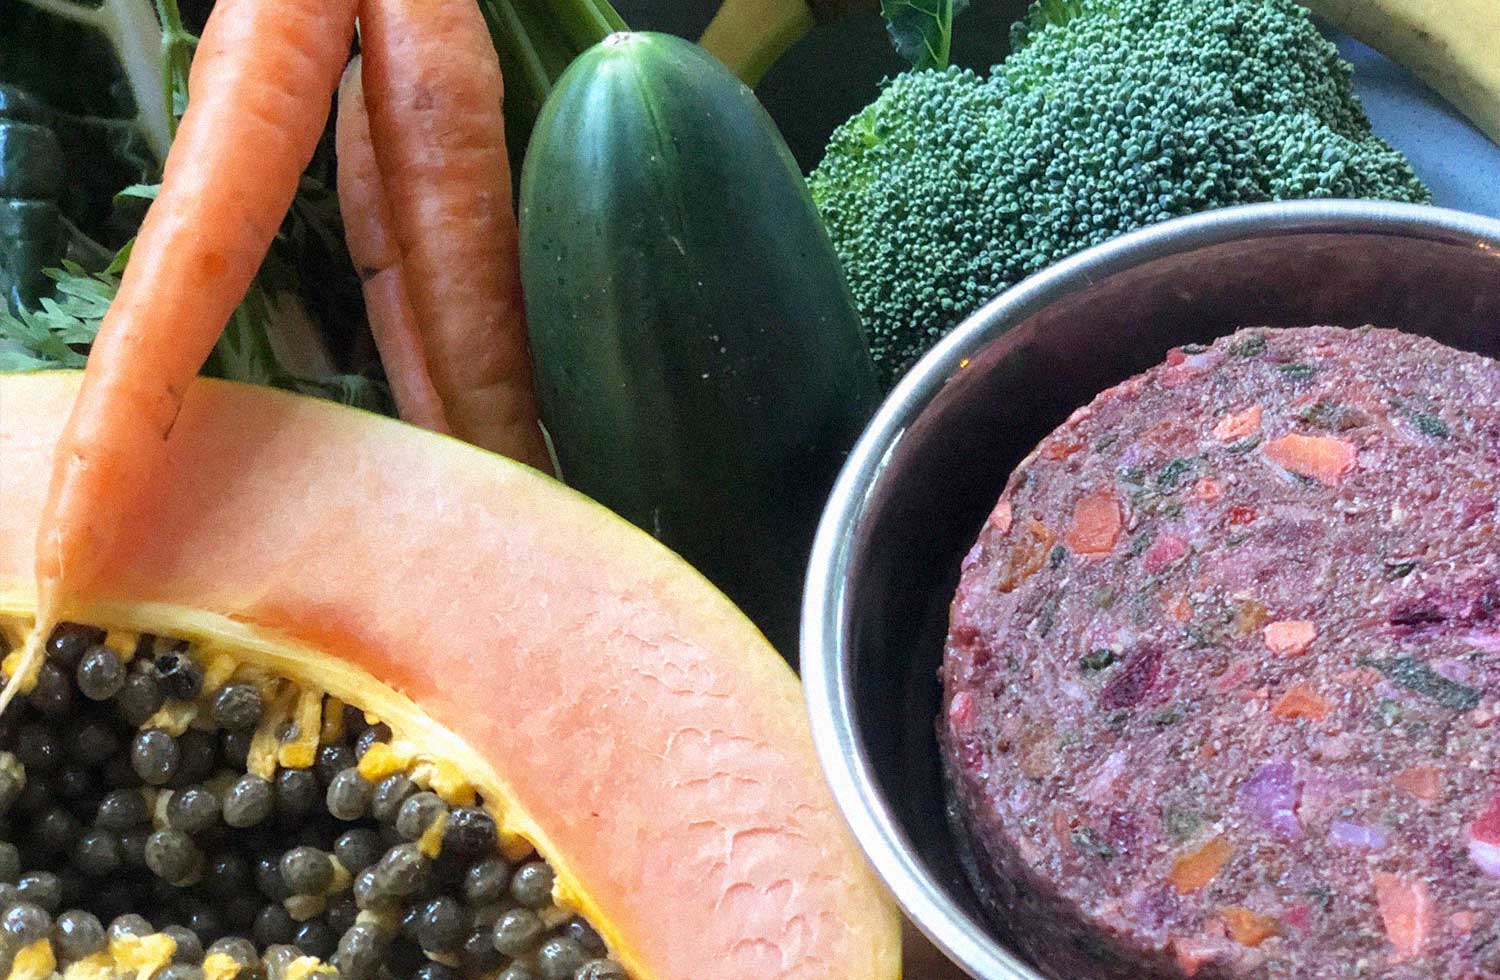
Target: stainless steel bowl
(930, 466)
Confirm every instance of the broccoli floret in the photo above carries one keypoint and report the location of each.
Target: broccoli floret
(1108, 115)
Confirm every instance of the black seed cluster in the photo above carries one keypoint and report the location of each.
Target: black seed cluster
(109, 827)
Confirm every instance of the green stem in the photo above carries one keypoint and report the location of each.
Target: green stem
(536, 41)
(748, 36)
(177, 46)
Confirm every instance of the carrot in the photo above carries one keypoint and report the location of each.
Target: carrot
(1238, 425)
(1406, 911)
(1301, 701)
(382, 274)
(1192, 872)
(1290, 637)
(1246, 927)
(433, 87)
(1097, 522)
(1423, 782)
(260, 89)
(1322, 458)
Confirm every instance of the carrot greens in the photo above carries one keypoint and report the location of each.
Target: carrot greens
(115, 116)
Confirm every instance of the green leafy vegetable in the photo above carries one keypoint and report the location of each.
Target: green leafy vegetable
(922, 30)
(1089, 842)
(1431, 425)
(1097, 660)
(1414, 675)
(49, 337)
(132, 89)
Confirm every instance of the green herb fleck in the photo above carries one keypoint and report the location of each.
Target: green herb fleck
(1102, 598)
(1182, 823)
(1389, 712)
(1097, 660)
(1174, 471)
(1132, 475)
(1168, 717)
(1322, 415)
(1416, 676)
(1322, 897)
(1089, 842)
(1172, 510)
(1243, 446)
(1252, 346)
(1399, 568)
(1140, 543)
(1117, 719)
(1200, 637)
(1298, 370)
(1195, 348)
(1048, 617)
(1058, 556)
(1431, 425)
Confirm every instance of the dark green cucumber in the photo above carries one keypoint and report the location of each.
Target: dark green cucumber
(700, 365)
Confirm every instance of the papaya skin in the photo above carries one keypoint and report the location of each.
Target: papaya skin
(615, 710)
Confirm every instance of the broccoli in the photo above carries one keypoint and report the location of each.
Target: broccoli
(1108, 115)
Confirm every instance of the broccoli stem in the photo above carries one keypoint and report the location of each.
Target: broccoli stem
(536, 41)
(748, 36)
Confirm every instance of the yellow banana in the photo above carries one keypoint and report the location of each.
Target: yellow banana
(1452, 45)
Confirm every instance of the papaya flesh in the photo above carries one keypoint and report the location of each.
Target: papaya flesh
(609, 707)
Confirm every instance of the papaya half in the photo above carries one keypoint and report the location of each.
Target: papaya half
(512, 651)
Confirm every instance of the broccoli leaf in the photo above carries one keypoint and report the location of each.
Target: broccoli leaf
(922, 30)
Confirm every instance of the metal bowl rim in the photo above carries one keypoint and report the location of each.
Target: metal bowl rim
(826, 663)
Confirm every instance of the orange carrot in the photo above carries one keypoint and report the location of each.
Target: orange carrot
(1192, 872)
(260, 90)
(1246, 927)
(1406, 911)
(382, 274)
(1423, 782)
(1238, 425)
(1302, 701)
(1097, 522)
(1323, 458)
(433, 87)
(1290, 637)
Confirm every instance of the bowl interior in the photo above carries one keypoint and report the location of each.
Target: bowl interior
(990, 396)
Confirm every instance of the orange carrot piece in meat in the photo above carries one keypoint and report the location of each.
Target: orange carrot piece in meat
(1246, 927)
(1238, 425)
(260, 90)
(1322, 458)
(1192, 872)
(1097, 521)
(1290, 637)
(433, 87)
(1423, 782)
(1302, 702)
(382, 275)
(1406, 911)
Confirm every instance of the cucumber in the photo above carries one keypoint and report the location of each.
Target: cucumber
(700, 366)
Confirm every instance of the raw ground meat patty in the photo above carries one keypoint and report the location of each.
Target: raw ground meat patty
(1222, 680)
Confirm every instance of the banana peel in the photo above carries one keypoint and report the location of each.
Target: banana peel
(1452, 45)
